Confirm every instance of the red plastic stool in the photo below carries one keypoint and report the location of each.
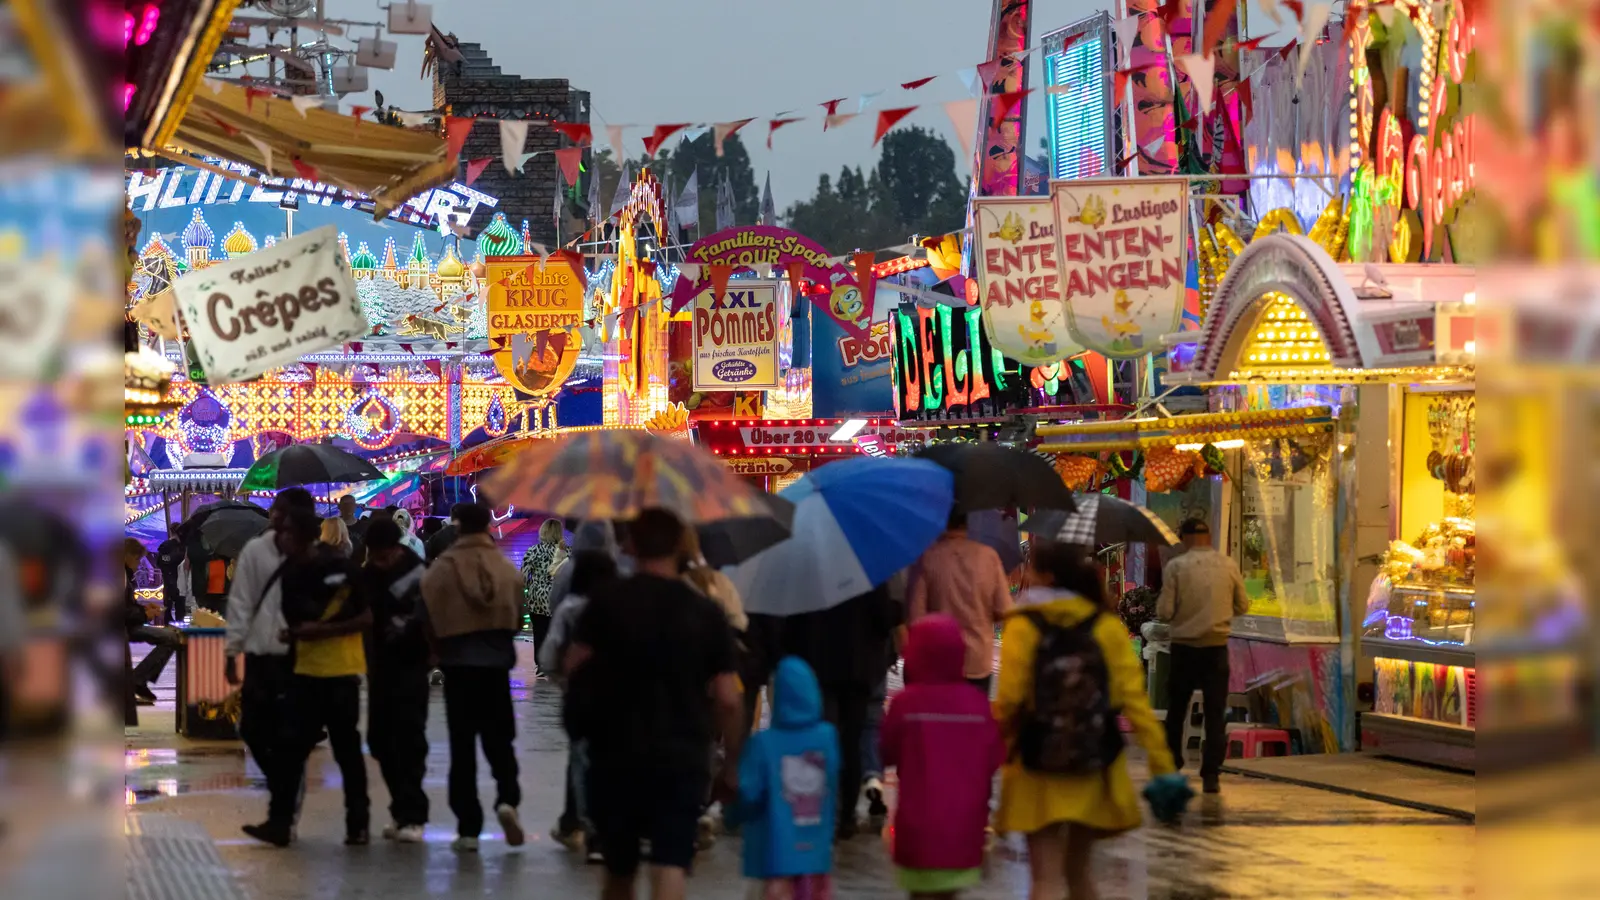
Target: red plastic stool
(1252, 741)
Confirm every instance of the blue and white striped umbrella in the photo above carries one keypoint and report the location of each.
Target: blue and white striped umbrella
(856, 523)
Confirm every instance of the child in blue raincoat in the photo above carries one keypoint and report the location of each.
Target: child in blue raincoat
(788, 789)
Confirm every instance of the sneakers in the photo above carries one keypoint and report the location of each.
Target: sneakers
(408, 834)
(436, 678)
(507, 814)
(705, 834)
(268, 833)
(572, 840)
(876, 808)
(464, 844)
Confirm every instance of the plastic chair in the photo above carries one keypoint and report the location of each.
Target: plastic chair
(1252, 741)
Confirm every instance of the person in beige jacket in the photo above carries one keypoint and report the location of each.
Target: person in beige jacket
(1201, 592)
(474, 595)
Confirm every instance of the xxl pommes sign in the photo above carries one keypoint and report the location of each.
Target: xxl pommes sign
(736, 338)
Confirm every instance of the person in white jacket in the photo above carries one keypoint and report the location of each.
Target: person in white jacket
(254, 631)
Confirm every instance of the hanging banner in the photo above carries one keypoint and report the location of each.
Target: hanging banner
(1122, 245)
(849, 375)
(535, 309)
(255, 313)
(1020, 279)
(748, 246)
(736, 337)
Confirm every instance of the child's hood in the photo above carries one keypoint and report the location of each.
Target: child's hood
(935, 651)
(797, 701)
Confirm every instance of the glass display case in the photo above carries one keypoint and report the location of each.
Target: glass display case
(1286, 539)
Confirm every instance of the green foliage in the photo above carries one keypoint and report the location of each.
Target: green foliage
(674, 166)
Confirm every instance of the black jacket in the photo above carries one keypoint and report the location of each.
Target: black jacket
(399, 633)
(844, 645)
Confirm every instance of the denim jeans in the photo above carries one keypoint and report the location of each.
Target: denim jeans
(871, 765)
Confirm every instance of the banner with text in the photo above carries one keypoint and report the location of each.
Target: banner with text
(535, 308)
(1020, 279)
(1123, 249)
(249, 315)
(736, 337)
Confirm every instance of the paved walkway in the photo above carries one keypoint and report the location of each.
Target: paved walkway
(1260, 840)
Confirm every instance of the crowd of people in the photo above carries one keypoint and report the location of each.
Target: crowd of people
(661, 670)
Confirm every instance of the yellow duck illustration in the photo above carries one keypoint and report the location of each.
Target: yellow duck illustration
(845, 301)
(1010, 228)
(1125, 333)
(1093, 212)
(1035, 332)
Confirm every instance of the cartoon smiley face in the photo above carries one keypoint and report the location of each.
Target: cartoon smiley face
(846, 303)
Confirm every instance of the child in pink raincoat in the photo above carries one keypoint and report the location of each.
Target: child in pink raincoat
(941, 737)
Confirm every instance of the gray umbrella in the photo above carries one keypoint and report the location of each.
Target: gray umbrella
(1102, 519)
(992, 476)
(225, 531)
(728, 542)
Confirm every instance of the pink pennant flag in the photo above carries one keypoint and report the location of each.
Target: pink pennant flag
(988, 72)
(964, 120)
(456, 129)
(887, 119)
(659, 136)
(721, 131)
(570, 160)
(614, 137)
(475, 168)
(913, 85)
(1125, 28)
(577, 132)
(1201, 71)
(773, 125)
(837, 119)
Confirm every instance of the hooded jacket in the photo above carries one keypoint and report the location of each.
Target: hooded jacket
(592, 534)
(789, 782)
(472, 587)
(942, 739)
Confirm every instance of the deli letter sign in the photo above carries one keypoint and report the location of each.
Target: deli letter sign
(250, 315)
(736, 338)
(1123, 250)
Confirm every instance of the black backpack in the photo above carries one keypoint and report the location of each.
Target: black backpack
(1070, 727)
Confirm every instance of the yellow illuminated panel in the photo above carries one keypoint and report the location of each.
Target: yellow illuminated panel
(1284, 337)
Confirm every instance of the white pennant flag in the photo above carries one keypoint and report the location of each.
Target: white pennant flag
(693, 134)
(540, 251)
(1125, 28)
(867, 99)
(1270, 7)
(215, 84)
(1201, 71)
(1061, 88)
(964, 119)
(303, 103)
(763, 270)
(1386, 15)
(513, 137)
(522, 160)
(690, 271)
(1155, 146)
(411, 119)
(837, 119)
(687, 206)
(263, 148)
(614, 135)
(969, 77)
(1310, 30)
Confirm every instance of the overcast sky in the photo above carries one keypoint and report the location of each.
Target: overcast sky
(653, 61)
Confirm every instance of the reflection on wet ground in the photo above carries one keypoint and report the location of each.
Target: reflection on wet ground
(1259, 840)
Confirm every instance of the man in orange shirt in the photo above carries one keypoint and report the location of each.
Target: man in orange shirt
(964, 579)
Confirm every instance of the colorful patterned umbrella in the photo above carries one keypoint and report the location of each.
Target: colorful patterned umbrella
(616, 474)
(493, 453)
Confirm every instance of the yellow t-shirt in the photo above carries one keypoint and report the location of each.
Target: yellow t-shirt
(331, 657)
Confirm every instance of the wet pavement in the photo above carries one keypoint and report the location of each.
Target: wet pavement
(1260, 839)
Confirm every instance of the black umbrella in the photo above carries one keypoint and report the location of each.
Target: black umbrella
(994, 528)
(1102, 519)
(307, 464)
(991, 476)
(727, 542)
(225, 531)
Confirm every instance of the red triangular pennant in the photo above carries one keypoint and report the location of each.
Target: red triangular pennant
(772, 128)
(574, 261)
(1252, 44)
(913, 85)
(540, 339)
(648, 267)
(1297, 7)
(406, 347)
(887, 119)
(570, 159)
(660, 135)
(1286, 49)
(1353, 14)
(312, 368)
(1122, 164)
(456, 129)
(1119, 84)
(989, 71)
(475, 168)
(720, 274)
(357, 112)
(250, 95)
(434, 366)
(305, 170)
(355, 346)
(1169, 12)
(227, 129)
(867, 283)
(1247, 102)
(797, 274)
(577, 132)
(1001, 105)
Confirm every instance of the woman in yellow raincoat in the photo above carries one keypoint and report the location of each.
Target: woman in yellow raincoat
(1062, 815)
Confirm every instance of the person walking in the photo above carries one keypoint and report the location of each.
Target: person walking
(945, 746)
(964, 579)
(473, 596)
(592, 571)
(591, 534)
(1066, 671)
(254, 631)
(170, 559)
(336, 537)
(788, 778)
(871, 761)
(538, 572)
(844, 647)
(720, 588)
(326, 614)
(1201, 591)
(402, 517)
(652, 683)
(163, 641)
(397, 678)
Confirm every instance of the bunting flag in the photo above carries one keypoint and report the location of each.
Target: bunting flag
(769, 213)
(867, 100)
(659, 136)
(773, 125)
(1353, 14)
(614, 137)
(265, 149)
(1297, 7)
(1201, 70)
(1168, 12)
(406, 347)
(1154, 147)
(475, 168)
(1252, 44)
(1386, 16)
(969, 77)
(690, 271)
(577, 132)
(1125, 28)
(834, 121)
(560, 198)
(688, 204)
(436, 367)
(594, 196)
(724, 203)
(624, 190)
(1216, 22)
(1286, 49)
(913, 85)
(722, 130)
(887, 119)
(513, 137)
(456, 129)
(300, 104)
(832, 109)
(797, 275)
(988, 72)
(356, 112)
(720, 274)
(1001, 104)
(522, 159)
(964, 120)
(227, 129)
(1316, 16)
(305, 170)
(1270, 7)
(408, 119)
(1247, 101)
(570, 160)
(251, 93)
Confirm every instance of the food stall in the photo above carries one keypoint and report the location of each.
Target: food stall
(774, 453)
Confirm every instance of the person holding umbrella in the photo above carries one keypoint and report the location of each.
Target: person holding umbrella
(965, 580)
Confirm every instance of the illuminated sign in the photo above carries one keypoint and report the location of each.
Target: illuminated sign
(180, 186)
(768, 465)
(1078, 109)
(736, 338)
(943, 365)
(534, 311)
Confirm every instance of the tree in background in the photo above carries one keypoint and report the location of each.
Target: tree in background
(674, 167)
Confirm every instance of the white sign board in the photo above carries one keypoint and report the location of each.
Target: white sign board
(250, 315)
(35, 298)
(1019, 280)
(1123, 249)
(736, 338)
